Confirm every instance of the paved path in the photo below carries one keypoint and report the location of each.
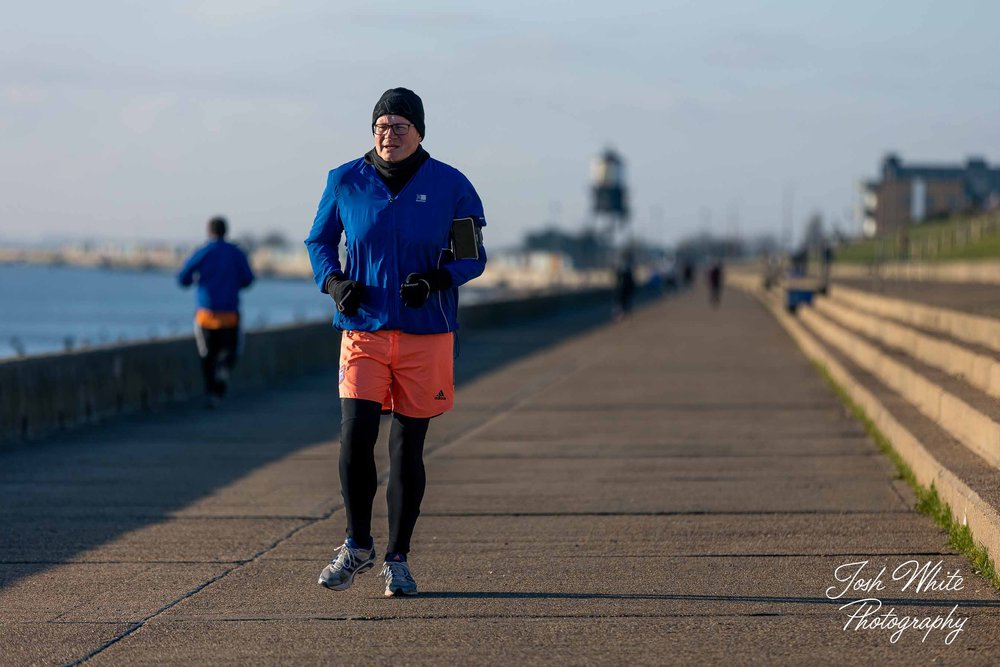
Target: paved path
(675, 489)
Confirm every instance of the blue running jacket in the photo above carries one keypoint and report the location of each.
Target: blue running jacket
(388, 237)
(223, 270)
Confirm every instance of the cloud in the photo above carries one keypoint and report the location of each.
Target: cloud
(141, 114)
(762, 51)
(221, 12)
(24, 94)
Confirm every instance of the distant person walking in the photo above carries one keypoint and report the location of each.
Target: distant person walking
(412, 229)
(715, 279)
(220, 270)
(624, 288)
(687, 274)
(825, 267)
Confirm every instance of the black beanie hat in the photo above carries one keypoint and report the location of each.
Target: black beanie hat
(401, 102)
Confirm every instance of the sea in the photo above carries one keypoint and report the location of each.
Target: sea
(46, 308)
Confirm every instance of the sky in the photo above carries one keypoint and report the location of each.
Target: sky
(138, 120)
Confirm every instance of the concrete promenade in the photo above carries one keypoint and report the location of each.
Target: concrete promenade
(679, 488)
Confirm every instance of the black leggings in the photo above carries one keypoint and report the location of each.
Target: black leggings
(359, 479)
(218, 349)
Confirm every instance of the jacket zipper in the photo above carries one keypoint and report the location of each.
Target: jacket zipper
(395, 249)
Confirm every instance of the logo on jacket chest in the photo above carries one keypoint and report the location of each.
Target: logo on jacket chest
(421, 198)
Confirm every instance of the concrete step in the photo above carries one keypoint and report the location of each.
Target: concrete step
(976, 329)
(981, 371)
(973, 299)
(975, 422)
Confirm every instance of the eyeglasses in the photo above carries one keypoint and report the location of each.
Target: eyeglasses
(399, 129)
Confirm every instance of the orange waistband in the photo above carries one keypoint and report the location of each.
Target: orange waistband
(216, 319)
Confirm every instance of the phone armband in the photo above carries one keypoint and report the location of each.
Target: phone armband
(466, 238)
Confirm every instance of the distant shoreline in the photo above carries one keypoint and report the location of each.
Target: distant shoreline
(138, 261)
(523, 272)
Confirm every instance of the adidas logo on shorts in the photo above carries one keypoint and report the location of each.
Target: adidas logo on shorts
(440, 396)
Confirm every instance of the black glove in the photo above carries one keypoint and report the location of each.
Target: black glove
(418, 286)
(345, 293)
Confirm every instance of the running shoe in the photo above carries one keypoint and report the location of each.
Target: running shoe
(398, 580)
(339, 574)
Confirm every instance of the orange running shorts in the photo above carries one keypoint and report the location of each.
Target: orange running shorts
(412, 375)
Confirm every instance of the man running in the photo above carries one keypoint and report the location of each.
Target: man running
(412, 230)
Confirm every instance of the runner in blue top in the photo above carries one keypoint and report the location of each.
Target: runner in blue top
(411, 227)
(220, 270)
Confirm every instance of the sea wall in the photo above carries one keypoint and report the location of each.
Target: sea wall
(43, 394)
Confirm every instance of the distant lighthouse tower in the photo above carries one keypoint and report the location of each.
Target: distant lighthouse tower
(610, 194)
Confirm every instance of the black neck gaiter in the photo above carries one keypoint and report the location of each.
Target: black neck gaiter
(397, 174)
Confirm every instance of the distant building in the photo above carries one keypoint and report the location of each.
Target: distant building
(910, 193)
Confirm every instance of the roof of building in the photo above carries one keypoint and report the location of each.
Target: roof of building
(980, 180)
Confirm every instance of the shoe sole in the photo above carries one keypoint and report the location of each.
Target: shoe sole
(399, 594)
(344, 586)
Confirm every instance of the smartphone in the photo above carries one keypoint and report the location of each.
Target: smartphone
(465, 238)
